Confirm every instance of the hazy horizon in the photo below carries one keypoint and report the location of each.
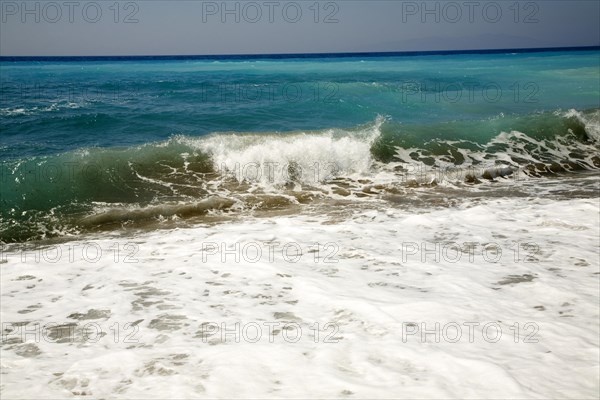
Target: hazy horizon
(283, 55)
(137, 28)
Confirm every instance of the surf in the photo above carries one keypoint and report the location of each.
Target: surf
(187, 176)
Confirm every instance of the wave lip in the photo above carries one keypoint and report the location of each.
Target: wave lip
(304, 157)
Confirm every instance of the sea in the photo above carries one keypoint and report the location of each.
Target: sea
(398, 211)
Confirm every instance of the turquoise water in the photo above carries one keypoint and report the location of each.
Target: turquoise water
(49, 107)
(151, 130)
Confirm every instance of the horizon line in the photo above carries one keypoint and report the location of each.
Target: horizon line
(297, 55)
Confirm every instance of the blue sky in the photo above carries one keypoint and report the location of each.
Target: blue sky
(174, 27)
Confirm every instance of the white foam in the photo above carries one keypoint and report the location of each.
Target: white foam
(368, 295)
(307, 157)
(516, 146)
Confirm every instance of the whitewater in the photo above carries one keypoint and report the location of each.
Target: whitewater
(368, 305)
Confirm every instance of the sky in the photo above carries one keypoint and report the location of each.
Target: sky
(194, 27)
